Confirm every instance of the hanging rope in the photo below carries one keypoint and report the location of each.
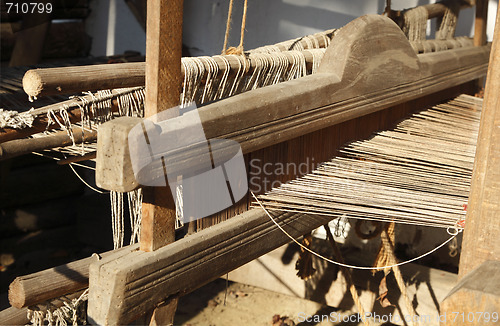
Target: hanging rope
(386, 257)
(232, 50)
(347, 275)
(448, 23)
(415, 23)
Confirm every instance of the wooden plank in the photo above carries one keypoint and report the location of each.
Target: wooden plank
(14, 316)
(475, 300)
(163, 86)
(135, 282)
(369, 67)
(481, 241)
(163, 89)
(51, 283)
(68, 80)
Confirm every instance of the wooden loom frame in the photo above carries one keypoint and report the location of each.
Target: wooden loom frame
(222, 241)
(134, 281)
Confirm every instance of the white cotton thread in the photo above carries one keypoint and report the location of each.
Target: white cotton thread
(341, 264)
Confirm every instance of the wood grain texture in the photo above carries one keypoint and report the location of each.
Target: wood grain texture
(20, 147)
(14, 316)
(69, 80)
(124, 286)
(481, 22)
(475, 299)
(163, 89)
(369, 67)
(51, 283)
(481, 241)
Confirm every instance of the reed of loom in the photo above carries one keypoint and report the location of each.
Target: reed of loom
(326, 141)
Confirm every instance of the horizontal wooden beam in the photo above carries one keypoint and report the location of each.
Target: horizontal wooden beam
(123, 286)
(48, 284)
(14, 316)
(20, 147)
(69, 80)
(363, 71)
(434, 10)
(77, 79)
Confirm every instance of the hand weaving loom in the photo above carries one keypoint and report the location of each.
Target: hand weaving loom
(270, 123)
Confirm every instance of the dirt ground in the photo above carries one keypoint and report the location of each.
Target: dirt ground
(237, 304)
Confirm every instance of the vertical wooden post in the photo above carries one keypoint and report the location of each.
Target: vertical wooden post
(163, 87)
(480, 24)
(482, 230)
(478, 289)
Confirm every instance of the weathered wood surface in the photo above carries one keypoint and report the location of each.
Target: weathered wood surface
(20, 147)
(163, 88)
(14, 316)
(369, 67)
(96, 233)
(48, 284)
(481, 241)
(481, 22)
(475, 300)
(434, 10)
(69, 80)
(136, 282)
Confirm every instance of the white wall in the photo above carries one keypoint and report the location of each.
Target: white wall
(115, 30)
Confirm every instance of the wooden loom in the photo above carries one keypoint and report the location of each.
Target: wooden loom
(346, 87)
(343, 93)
